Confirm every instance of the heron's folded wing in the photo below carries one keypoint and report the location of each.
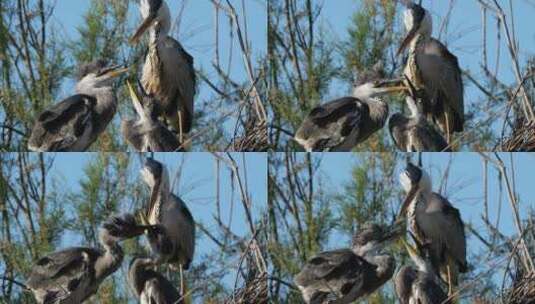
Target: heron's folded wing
(328, 265)
(74, 107)
(449, 228)
(429, 292)
(440, 70)
(431, 139)
(49, 269)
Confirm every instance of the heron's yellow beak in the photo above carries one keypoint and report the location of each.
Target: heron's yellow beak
(392, 85)
(142, 29)
(407, 40)
(116, 72)
(133, 93)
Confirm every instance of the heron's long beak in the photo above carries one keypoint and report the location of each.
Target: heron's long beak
(142, 29)
(114, 71)
(136, 101)
(392, 86)
(408, 39)
(408, 200)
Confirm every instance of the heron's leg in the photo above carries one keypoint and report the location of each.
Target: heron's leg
(446, 116)
(450, 280)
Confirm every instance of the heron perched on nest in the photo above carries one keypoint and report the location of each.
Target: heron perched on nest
(149, 286)
(147, 133)
(173, 241)
(435, 223)
(72, 275)
(433, 69)
(345, 275)
(168, 71)
(76, 122)
(418, 285)
(341, 124)
(414, 133)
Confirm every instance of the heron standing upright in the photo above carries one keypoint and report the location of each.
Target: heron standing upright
(150, 286)
(415, 133)
(174, 241)
(341, 124)
(76, 122)
(435, 223)
(72, 275)
(168, 72)
(349, 274)
(147, 133)
(418, 285)
(434, 70)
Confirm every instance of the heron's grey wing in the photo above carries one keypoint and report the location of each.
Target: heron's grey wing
(186, 224)
(59, 267)
(160, 291)
(163, 140)
(396, 126)
(431, 140)
(329, 124)
(63, 123)
(326, 266)
(403, 283)
(427, 291)
(440, 70)
(442, 222)
(187, 80)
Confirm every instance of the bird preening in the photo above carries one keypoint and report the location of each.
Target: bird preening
(165, 108)
(432, 83)
(439, 253)
(74, 274)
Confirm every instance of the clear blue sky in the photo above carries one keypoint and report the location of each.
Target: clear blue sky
(197, 188)
(464, 189)
(195, 31)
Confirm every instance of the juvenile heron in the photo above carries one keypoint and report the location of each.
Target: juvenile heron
(435, 223)
(147, 133)
(341, 124)
(434, 70)
(76, 122)
(345, 275)
(168, 72)
(415, 133)
(174, 241)
(150, 286)
(418, 285)
(72, 275)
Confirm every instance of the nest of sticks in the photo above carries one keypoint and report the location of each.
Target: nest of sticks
(522, 139)
(522, 291)
(254, 291)
(254, 140)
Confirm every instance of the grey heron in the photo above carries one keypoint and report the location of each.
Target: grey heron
(168, 71)
(76, 122)
(434, 70)
(149, 285)
(72, 275)
(174, 241)
(346, 275)
(418, 285)
(341, 124)
(147, 133)
(435, 223)
(415, 133)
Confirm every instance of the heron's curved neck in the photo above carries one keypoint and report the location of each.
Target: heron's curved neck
(159, 32)
(385, 265)
(110, 261)
(378, 110)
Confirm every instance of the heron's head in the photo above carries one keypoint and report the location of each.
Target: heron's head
(154, 172)
(98, 74)
(413, 179)
(378, 88)
(417, 20)
(121, 227)
(373, 237)
(154, 13)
